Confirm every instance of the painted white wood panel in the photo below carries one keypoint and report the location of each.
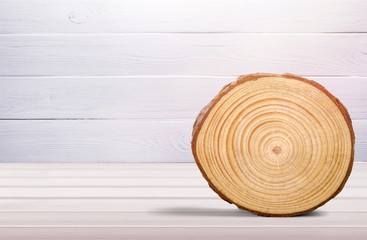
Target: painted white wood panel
(138, 97)
(116, 192)
(110, 140)
(127, 167)
(108, 171)
(183, 54)
(195, 182)
(95, 141)
(193, 205)
(113, 16)
(55, 182)
(125, 181)
(183, 233)
(160, 218)
(129, 193)
(49, 48)
(170, 215)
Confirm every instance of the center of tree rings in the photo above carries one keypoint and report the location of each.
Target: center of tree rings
(277, 150)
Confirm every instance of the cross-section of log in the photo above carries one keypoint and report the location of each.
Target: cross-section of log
(276, 145)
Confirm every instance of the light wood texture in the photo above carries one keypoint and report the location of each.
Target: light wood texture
(157, 61)
(138, 97)
(118, 192)
(276, 145)
(33, 215)
(110, 140)
(121, 16)
(171, 218)
(110, 181)
(183, 54)
(183, 233)
(126, 205)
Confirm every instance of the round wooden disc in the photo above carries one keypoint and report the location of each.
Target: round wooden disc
(276, 145)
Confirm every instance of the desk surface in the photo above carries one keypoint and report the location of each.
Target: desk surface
(155, 201)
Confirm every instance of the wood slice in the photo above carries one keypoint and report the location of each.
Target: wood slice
(276, 145)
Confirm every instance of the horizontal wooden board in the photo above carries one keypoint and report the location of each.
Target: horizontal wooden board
(126, 175)
(183, 54)
(129, 192)
(185, 168)
(237, 218)
(95, 141)
(92, 167)
(138, 97)
(194, 205)
(100, 173)
(115, 192)
(115, 174)
(182, 233)
(110, 140)
(113, 16)
(184, 182)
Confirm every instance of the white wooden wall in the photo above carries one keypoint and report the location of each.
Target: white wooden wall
(122, 81)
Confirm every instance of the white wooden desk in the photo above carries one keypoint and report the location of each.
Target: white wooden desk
(154, 201)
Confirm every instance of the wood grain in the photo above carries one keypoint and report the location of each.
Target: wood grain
(110, 140)
(113, 16)
(183, 54)
(102, 60)
(138, 97)
(275, 145)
